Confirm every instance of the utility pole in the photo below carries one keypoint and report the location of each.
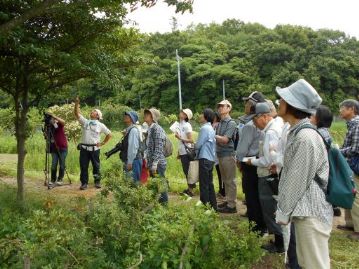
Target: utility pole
(178, 58)
(224, 90)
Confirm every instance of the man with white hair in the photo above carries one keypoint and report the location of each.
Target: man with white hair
(90, 144)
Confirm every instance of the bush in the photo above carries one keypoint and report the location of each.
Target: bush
(124, 227)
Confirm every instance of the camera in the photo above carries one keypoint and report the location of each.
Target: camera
(117, 148)
(47, 119)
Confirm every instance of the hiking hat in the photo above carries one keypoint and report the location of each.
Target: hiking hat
(225, 102)
(257, 97)
(156, 114)
(188, 113)
(99, 113)
(261, 108)
(301, 95)
(133, 115)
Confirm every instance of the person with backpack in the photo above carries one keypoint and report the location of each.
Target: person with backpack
(225, 134)
(248, 146)
(155, 148)
(304, 178)
(205, 152)
(90, 144)
(185, 141)
(349, 111)
(131, 155)
(268, 182)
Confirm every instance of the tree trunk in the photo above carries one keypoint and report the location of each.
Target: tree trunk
(21, 109)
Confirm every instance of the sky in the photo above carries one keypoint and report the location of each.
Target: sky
(340, 15)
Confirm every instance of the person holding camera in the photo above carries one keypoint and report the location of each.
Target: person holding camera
(58, 148)
(90, 144)
(131, 155)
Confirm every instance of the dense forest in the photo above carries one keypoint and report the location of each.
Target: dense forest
(246, 56)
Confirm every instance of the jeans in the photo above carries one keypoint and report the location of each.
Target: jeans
(58, 157)
(85, 157)
(135, 173)
(206, 187)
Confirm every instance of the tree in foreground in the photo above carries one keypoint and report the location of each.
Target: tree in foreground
(45, 45)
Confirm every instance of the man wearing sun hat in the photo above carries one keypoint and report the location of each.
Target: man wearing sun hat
(131, 155)
(304, 177)
(90, 144)
(155, 142)
(248, 146)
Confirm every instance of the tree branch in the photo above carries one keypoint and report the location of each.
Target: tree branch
(39, 10)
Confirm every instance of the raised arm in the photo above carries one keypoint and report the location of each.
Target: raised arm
(77, 108)
(61, 121)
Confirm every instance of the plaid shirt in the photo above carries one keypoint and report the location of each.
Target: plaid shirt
(300, 195)
(155, 145)
(325, 134)
(351, 142)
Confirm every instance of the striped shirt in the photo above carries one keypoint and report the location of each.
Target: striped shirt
(300, 195)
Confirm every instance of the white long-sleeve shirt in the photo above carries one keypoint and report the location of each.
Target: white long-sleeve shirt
(272, 134)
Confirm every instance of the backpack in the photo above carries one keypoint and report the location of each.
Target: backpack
(341, 187)
(168, 147)
(235, 135)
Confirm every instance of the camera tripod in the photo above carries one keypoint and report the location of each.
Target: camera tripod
(49, 136)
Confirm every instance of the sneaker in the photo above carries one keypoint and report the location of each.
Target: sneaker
(83, 187)
(188, 192)
(97, 185)
(59, 182)
(345, 228)
(271, 248)
(50, 183)
(227, 210)
(224, 204)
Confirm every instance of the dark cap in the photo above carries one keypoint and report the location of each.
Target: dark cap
(257, 97)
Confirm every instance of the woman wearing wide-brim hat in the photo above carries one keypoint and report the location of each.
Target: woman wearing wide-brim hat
(304, 177)
(184, 136)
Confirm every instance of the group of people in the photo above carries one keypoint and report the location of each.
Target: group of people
(284, 164)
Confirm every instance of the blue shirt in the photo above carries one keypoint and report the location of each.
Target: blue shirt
(206, 143)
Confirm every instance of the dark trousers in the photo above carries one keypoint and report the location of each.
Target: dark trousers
(250, 189)
(58, 158)
(85, 158)
(221, 189)
(206, 187)
(185, 160)
(292, 251)
(269, 206)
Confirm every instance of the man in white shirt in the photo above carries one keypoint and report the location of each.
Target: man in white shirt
(90, 144)
(267, 182)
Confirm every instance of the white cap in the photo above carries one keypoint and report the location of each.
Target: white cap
(99, 113)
